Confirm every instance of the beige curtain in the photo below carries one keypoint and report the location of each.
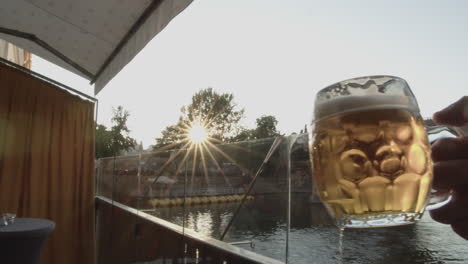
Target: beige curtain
(15, 54)
(47, 162)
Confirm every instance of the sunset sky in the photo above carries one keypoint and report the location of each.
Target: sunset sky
(275, 55)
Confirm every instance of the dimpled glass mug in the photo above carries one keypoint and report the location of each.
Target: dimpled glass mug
(370, 154)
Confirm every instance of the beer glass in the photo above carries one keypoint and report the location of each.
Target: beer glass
(370, 153)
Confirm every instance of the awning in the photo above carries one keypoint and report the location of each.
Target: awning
(92, 38)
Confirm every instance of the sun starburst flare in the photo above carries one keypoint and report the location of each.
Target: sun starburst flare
(197, 144)
(198, 133)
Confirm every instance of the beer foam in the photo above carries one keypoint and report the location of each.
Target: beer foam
(354, 103)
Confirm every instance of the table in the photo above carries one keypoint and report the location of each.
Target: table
(23, 241)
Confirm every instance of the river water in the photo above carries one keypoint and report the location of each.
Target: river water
(313, 238)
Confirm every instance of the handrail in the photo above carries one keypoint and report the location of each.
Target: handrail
(218, 246)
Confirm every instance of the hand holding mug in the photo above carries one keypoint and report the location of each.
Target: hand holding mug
(450, 156)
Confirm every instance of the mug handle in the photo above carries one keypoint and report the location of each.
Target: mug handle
(439, 198)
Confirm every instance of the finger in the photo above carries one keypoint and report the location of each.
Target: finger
(461, 227)
(450, 173)
(450, 149)
(455, 210)
(455, 114)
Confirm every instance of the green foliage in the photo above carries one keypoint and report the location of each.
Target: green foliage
(121, 141)
(266, 127)
(244, 135)
(171, 136)
(217, 112)
(103, 142)
(116, 140)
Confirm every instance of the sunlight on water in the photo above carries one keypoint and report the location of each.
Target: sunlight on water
(201, 221)
(314, 239)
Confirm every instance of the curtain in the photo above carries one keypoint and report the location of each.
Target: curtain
(47, 162)
(15, 54)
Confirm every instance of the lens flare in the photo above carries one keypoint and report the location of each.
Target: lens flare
(197, 133)
(194, 141)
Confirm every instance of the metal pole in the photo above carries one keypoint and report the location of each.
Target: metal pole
(183, 215)
(270, 152)
(139, 175)
(291, 140)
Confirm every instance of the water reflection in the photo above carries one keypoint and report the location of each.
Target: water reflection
(313, 238)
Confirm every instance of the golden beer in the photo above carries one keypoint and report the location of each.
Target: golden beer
(371, 159)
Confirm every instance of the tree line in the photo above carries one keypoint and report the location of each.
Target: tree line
(217, 112)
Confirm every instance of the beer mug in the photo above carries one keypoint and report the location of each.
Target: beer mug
(370, 153)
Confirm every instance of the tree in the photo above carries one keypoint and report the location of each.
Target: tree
(121, 140)
(103, 142)
(116, 140)
(244, 135)
(217, 112)
(171, 135)
(266, 127)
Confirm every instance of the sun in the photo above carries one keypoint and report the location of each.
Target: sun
(197, 133)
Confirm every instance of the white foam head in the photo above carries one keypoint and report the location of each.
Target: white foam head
(348, 104)
(364, 93)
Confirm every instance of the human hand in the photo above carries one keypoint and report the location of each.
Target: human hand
(450, 156)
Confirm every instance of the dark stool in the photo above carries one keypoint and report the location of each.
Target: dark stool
(23, 241)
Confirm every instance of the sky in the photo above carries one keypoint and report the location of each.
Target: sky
(274, 56)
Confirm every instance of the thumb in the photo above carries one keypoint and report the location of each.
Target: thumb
(455, 114)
